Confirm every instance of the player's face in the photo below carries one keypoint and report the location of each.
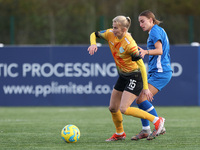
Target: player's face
(117, 30)
(145, 23)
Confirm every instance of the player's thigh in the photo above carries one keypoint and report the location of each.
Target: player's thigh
(153, 89)
(126, 100)
(115, 100)
(141, 98)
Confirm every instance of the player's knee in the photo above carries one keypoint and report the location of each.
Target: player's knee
(112, 109)
(140, 99)
(123, 109)
(137, 101)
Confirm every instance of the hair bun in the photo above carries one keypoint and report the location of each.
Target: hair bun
(128, 19)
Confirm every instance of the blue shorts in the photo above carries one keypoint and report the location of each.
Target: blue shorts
(159, 79)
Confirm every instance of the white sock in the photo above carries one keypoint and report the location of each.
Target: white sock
(120, 133)
(156, 119)
(146, 128)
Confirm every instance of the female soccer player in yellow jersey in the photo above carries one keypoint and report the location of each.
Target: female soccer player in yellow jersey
(132, 75)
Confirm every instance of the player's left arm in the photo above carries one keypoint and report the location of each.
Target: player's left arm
(137, 58)
(157, 51)
(145, 90)
(142, 67)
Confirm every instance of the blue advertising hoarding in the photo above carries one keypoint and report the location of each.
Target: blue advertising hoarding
(69, 76)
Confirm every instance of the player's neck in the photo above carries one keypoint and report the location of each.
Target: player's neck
(120, 37)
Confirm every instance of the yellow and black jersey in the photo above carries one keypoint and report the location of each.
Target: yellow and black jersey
(125, 51)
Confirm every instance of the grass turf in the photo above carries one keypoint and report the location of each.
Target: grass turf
(38, 128)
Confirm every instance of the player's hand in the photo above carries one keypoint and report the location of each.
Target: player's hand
(142, 52)
(148, 94)
(92, 49)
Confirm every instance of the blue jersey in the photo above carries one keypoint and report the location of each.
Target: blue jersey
(159, 63)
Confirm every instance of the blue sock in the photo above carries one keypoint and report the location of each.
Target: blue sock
(148, 107)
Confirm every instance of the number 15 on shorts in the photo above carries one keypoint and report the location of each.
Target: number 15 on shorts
(132, 84)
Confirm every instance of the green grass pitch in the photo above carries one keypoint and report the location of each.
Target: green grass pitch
(39, 128)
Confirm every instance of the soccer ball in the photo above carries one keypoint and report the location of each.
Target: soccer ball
(70, 133)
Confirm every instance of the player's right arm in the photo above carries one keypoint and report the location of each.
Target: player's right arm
(93, 45)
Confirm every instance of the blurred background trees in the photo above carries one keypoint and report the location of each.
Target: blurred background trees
(62, 22)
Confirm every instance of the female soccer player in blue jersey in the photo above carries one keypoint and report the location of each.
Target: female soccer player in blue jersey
(159, 72)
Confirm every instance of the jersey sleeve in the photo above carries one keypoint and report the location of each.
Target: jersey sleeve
(93, 39)
(155, 36)
(134, 52)
(99, 34)
(142, 67)
(104, 34)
